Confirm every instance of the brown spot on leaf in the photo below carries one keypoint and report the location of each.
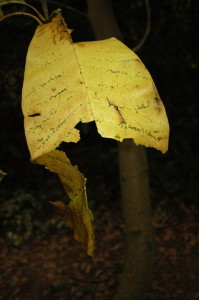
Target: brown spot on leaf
(161, 138)
(34, 115)
(117, 109)
(80, 44)
(117, 137)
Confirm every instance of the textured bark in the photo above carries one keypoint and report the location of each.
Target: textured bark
(137, 213)
(134, 184)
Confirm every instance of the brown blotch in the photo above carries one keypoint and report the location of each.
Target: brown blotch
(117, 137)
(80, 44)
(162, 138)
(158, 106)
(34, 115)
(117, 110)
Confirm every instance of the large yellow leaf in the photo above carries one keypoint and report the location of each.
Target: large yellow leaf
(66, 83)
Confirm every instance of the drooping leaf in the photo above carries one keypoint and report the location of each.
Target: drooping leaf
(66, 83)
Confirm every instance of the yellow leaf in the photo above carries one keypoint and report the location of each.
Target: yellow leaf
(123, 97)
(65, 83)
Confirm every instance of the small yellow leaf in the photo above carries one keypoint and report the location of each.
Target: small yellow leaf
(65, 83)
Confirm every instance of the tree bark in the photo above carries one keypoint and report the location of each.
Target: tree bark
(102, 19)
(137, 214)
(134, 184)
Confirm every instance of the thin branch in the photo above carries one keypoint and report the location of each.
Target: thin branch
(69, 7)
(65, 6)
(45, 8)
(24, 3)
(20, 13)
(148, 28)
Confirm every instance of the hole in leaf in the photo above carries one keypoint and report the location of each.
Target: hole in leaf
(34, 115)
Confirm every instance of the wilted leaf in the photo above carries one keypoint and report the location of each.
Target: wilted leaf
(66, 83)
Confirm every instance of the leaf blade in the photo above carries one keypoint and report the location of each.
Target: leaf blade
(52, 106)
(123, 96)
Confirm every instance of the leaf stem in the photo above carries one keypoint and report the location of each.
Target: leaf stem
(55, 12)
(59, 4)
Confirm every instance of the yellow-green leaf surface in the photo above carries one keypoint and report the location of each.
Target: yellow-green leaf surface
(66, 83)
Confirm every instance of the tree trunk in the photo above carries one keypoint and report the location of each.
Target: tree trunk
(138, 230)
(102, 19)
(134, 184)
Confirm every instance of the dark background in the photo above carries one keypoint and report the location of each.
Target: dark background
(171, 54)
